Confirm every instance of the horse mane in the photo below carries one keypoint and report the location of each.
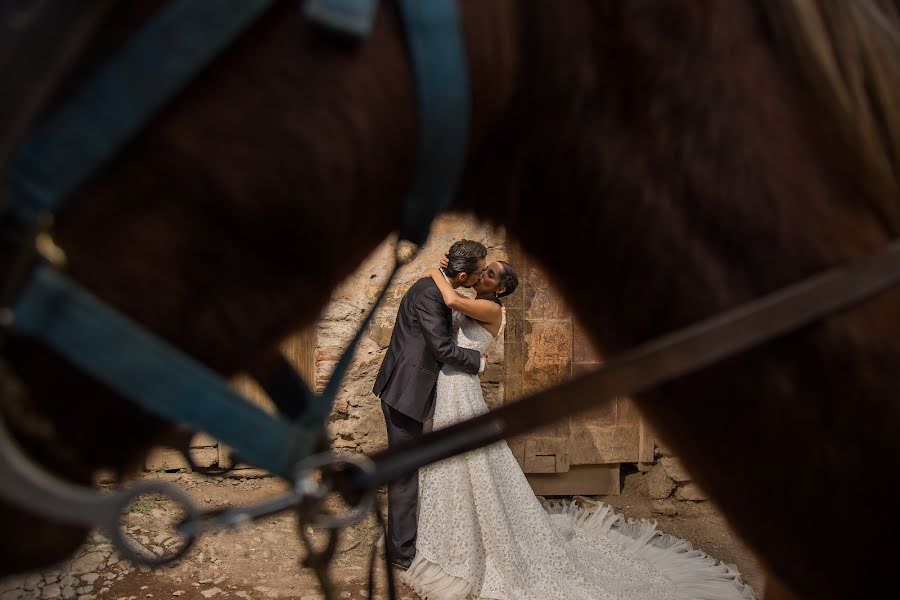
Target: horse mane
(847, 55)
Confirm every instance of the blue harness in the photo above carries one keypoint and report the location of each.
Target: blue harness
(97, 123)
(39, 301)
(118, 102)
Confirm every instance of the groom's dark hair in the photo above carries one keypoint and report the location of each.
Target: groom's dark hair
(463, 257)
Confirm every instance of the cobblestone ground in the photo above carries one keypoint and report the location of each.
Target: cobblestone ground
(262, 560)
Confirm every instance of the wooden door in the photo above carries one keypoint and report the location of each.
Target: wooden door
(543, 346)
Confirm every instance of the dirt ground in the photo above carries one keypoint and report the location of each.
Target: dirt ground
(262, 560)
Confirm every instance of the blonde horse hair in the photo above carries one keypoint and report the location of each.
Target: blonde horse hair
(848, 53)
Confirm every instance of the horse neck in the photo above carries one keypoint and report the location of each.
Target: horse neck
(665, 143)
(196, 229)
(662, 167)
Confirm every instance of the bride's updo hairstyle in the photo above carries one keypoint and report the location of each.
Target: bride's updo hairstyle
(509, 281)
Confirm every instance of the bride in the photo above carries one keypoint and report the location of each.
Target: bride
(483, 534)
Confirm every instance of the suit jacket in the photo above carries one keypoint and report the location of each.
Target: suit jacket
(420, 344)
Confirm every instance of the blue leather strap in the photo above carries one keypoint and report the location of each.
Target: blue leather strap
(434, 37)
(116, 103)
(353, 18)
(435, 40)
(149, 371)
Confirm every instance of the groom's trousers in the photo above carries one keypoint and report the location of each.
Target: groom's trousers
(403, 492)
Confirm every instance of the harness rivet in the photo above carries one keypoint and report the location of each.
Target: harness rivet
(46, 247)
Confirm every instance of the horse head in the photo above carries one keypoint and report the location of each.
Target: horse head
(664, 160)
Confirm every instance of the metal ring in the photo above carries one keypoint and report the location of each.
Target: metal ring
(127, 547)
(304, 488)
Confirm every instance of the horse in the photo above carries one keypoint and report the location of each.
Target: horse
(664, 161)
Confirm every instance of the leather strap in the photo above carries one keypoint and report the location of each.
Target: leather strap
(118, 102)
(103, 116)
(152, 373)
(52, 34)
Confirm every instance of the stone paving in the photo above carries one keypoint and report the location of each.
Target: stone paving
(86, 577)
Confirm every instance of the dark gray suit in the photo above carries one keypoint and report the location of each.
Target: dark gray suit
(406, 382)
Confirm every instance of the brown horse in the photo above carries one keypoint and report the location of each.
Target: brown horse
(665, 160)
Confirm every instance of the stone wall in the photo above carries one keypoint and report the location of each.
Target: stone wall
(357, 423)
(541, 345)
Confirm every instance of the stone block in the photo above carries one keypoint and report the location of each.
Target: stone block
(493, 395)
(662, 449)
(341, 309)
(543, 377)
(369, 432)
(603, 413)
(87, 563)
(664, 507)
(548, 359)
(497, 349)
(627, 411)
(514, 330)
(515, 357)
(586, 502)
(344, 443)
(675, 469)
(540, 464)
(546, 455)
(493, 373)
(635, 484)
(646, 454)
(599, 445)
(692, 492)
(516, 300)
(543, 303)
(585, 480)
(582, 347)
(168, 459)
(659, 484)
(535, 275)
(381, 335)
(517, 447)
(549, 342)
(202, 440)
(513, 389)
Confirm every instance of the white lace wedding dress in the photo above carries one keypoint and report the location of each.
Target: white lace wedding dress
(483, 534)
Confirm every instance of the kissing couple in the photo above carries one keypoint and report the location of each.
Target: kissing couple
(470, 526)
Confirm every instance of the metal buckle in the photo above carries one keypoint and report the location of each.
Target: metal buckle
(307, 497)
(316, 491)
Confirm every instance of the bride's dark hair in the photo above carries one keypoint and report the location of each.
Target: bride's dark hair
(509, 281)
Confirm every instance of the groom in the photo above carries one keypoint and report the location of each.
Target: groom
(420, 343)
